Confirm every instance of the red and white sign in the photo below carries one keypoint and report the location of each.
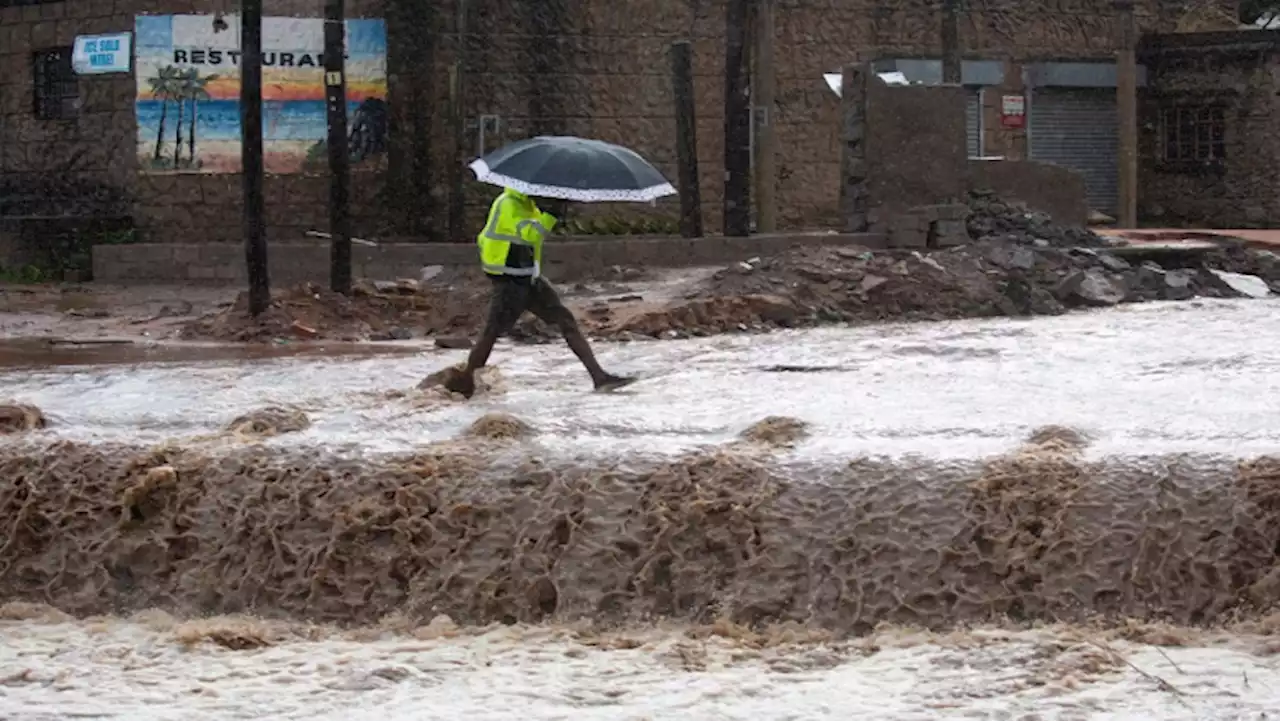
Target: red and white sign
(1013, 111)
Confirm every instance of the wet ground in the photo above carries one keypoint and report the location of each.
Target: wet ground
(1155, 378)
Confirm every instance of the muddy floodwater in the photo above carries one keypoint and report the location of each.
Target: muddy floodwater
(1154, 378)
(1082, 508)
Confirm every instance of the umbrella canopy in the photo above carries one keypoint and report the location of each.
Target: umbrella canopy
(588, 171)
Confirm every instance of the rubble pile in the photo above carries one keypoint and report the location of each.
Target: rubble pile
(992, 276)
(997, 219)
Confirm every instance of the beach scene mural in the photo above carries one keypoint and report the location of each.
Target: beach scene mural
(188, 95)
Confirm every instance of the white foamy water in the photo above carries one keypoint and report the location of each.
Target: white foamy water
(139, 670)
(1187, 377)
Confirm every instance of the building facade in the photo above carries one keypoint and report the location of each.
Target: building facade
(581, 67)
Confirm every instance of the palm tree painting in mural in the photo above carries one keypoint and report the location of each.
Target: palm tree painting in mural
(165, 86)
(195, 89)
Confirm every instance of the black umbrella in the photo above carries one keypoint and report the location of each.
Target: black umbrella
(589, 171)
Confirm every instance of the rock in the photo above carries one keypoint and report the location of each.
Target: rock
(400, 334)
(1177, 286)
(1091, 288)
(1249, 286)
(1012, 257)
(1097, 218)
(870, 283)
(453, 342)
(386, 286)
(1112, 263)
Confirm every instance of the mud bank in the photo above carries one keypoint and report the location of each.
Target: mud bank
(730, 536)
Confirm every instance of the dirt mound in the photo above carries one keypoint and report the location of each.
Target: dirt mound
(20, 418)
(1037, 534)
(499, 426)
(776, 431)
(271, 421)
(393, 311)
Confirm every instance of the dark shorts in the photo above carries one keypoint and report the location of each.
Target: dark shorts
(513, 296)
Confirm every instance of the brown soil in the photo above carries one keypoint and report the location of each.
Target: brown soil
(267, 422)
(309, 312)
(20, 418)
(726, 536)
(499, 426)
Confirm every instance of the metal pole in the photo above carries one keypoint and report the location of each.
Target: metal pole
(255, 241)
(737, 124)
(765, 92)
(686, 140)
(335, 83)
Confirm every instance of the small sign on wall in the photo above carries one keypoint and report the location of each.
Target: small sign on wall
(101, 54)
(1013, 111)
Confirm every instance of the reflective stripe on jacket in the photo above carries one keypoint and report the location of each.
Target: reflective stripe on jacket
(514, 220)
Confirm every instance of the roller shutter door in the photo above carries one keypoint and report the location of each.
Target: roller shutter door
(1077, 129)
(973, 121)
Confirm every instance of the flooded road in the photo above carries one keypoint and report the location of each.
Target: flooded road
(1188, 377)
(154, 668)
(1191, 377)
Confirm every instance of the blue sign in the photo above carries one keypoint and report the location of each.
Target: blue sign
(100, 54)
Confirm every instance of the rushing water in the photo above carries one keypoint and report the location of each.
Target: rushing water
(1157, 378)
(1195, 377)
(144, 670)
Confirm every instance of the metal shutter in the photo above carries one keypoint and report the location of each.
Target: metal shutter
(973, 121)
(1077, 129)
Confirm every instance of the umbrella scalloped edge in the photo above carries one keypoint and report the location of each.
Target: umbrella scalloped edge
(580, 195)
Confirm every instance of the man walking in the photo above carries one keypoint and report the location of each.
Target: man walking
(511, 255)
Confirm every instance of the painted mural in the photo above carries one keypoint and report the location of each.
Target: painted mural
(188, 108)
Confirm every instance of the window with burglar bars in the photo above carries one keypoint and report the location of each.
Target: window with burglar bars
(56, 90)
(1193, 134)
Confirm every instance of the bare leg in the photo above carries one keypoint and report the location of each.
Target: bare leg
(505, 308)
(547, 306)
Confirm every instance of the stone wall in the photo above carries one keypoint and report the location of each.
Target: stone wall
(1045, 187)
(1241, 73)
(569, 259)
(98, 147)
(915, 147)
(589, 67)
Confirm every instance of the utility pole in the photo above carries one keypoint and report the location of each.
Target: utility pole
(737, 123)
(686, 140)
(951, 72)
(458, 123)
(1127, 114)
(255, 240)
(335, 84)
(764, 92)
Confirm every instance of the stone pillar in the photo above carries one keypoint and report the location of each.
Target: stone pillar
(1008, 142)
(853, 175)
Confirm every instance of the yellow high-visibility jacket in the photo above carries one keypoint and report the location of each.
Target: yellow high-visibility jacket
(514, 220)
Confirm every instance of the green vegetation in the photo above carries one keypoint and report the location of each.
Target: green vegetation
(620, 225)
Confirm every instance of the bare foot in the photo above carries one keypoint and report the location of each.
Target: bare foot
(461, 382)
